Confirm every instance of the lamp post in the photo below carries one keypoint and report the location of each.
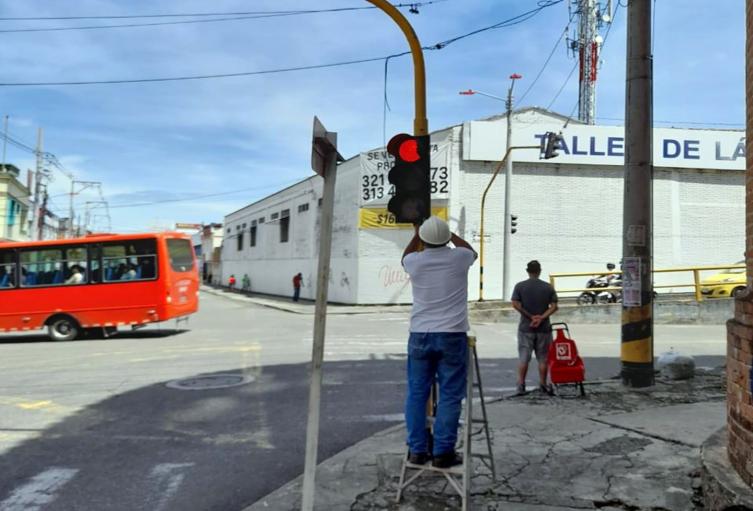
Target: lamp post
(508, 183)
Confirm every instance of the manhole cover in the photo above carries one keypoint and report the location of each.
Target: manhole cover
(213, 381)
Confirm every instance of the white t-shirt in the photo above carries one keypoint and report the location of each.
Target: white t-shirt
(439, 278)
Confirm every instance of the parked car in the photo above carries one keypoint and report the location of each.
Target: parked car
(727, 283)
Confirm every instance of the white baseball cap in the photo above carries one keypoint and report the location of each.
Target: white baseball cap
(434, 231)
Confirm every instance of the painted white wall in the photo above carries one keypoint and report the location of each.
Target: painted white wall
(569, 215)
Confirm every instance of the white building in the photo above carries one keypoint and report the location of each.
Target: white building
(569, 209)
(211, 248)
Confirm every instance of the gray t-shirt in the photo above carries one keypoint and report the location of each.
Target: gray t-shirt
(534, 295)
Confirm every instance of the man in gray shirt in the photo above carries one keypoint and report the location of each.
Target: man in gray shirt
(535, 300)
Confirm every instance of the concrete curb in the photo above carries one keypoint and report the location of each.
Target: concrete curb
(339, 479)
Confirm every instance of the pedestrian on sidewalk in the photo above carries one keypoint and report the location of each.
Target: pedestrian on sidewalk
(246, 283)
(231, 282)
(438, 343)
(297, 283)
(535, 300)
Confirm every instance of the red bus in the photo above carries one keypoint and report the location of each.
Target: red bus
(96, 282)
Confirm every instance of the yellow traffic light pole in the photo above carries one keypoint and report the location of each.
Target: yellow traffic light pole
(420, 122)
(483, 203)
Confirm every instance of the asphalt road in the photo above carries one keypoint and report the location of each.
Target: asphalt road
(91, 425)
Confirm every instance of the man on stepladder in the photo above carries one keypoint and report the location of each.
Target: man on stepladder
(437, 345)
(535, 300)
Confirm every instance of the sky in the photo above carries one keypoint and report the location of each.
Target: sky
(194, 151)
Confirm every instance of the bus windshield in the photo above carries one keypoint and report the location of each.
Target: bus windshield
(181, 254)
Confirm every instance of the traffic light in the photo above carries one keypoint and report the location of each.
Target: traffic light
(550, 144)
(410, 175)
(513, 224)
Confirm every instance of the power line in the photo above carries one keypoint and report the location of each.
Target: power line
(200, 14)
(546, 62)
(205, 196)
(227, 17)
(543, 4)
(196, 77)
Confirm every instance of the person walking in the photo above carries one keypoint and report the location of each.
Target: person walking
(536, 301)
(231, 282)
(297, 282)
(437, 343)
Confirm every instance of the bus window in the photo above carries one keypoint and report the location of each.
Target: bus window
(181, 254)
(129, 260)
(53, 266)
(7, 269)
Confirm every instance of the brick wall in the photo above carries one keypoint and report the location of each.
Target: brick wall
(740, 329)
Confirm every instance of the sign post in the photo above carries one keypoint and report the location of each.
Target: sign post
(324, 158)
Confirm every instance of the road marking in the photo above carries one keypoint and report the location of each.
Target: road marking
(35, 405)
(39, 491)
(167, 477)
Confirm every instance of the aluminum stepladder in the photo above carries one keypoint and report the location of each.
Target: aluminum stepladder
(458, 477)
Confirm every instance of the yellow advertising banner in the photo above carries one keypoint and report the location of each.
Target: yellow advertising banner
(380, 218)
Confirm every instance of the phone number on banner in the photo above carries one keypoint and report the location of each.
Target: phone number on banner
(380, 218)
(377, 186)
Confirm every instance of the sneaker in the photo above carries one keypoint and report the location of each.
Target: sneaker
(546, 389)
(521, 389)
(418, 458)
(447, 460)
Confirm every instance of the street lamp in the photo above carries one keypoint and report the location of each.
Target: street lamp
(508, 186)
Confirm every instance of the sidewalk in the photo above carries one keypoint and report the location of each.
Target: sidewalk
(300, 307)
(618, 449)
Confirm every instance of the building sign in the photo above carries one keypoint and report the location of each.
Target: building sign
(187, 227)
(375, 188)
(380, 218)
(605, 145)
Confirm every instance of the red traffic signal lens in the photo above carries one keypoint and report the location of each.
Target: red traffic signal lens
(404, 147)
(408, 150)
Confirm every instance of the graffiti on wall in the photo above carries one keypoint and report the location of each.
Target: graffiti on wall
(390, 275)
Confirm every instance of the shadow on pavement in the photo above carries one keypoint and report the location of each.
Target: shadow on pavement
(41, 336)
(221, 449)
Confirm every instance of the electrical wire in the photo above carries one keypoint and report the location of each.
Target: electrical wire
(543, 4)
(205, 196)
(246, 16)
(199, 14)
(546, 62)
(196, 77)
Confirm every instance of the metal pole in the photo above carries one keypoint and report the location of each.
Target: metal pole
(420, 122)
(508, 189)
(483, 204)
(320, 318)
(637, 309)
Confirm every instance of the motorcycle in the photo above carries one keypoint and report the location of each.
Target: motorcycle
(602, 281)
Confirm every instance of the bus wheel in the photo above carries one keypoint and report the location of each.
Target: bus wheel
(63, 328)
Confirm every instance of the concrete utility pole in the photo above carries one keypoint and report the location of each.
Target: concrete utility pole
(42, 213)
(35, 233)
(637, 348)
(5, 139)
(508, 196)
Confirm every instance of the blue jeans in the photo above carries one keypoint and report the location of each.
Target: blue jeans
(296, 293)
(440, 356)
